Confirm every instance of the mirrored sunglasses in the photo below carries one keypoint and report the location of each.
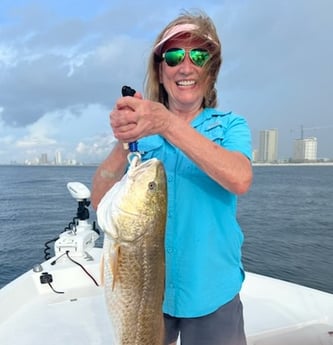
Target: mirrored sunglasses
(175, 56)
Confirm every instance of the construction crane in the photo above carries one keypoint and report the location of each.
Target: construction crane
(312, 128)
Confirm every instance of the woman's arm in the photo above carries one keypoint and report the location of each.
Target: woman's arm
(108, 173)
(231, 169)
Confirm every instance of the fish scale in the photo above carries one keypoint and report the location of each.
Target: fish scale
(133, 215)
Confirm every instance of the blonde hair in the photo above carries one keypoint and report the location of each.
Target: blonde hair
(206, 30)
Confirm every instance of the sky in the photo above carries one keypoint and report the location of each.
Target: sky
(63, 63)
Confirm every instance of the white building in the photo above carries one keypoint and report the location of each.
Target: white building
(268, 146)
(305, 149)
(58, 159)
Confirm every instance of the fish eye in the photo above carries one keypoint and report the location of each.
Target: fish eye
(152, 185)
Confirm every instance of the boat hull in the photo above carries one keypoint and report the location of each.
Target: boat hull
(275, 311)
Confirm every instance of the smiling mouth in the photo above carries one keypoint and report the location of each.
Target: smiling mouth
(186, 83)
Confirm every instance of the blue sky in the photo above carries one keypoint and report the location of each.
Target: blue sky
(63, 62)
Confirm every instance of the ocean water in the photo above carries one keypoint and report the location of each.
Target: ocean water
(287, 219)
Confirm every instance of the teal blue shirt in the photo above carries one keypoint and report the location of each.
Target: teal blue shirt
(203, 239)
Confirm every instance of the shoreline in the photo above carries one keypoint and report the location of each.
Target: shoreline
(293, 164)
(96, 164)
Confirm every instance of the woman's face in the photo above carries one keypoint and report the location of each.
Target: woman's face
(184, 83)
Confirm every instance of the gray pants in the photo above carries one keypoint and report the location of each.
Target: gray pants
(225, 326)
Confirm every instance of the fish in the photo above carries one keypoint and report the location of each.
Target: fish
(132, 215)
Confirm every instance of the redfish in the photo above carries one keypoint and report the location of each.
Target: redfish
(133, 215)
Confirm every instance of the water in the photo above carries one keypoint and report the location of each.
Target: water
(287, 219)
(35, 207)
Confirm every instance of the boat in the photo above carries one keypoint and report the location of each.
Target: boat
(61, 300)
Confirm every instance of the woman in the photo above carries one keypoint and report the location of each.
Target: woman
(206, 154)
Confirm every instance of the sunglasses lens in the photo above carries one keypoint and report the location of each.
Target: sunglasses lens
(199, 56)
(173, 57)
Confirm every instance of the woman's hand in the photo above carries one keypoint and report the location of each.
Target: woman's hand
(134, 118)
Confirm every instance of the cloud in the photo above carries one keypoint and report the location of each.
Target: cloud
(6, 140)
(65, 62)
(96, 148)
(277, 66)
(60, 131)
(39, 134)
(31, 141)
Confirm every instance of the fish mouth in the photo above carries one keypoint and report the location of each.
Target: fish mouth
(136, 167)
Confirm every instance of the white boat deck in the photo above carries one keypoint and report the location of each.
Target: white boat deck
(275, 312)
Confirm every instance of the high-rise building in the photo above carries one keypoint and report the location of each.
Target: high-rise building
(43, 159)
(268, 145)
(305, 149)
(58, 160)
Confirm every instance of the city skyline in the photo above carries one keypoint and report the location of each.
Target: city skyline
(44, 159)
(305, 149)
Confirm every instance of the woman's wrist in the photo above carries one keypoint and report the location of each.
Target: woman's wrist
(115, 162)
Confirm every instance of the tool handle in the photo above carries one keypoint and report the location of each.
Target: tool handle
(128, 91)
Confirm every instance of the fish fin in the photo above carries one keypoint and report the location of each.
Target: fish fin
(101, 270)
(114, 264)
